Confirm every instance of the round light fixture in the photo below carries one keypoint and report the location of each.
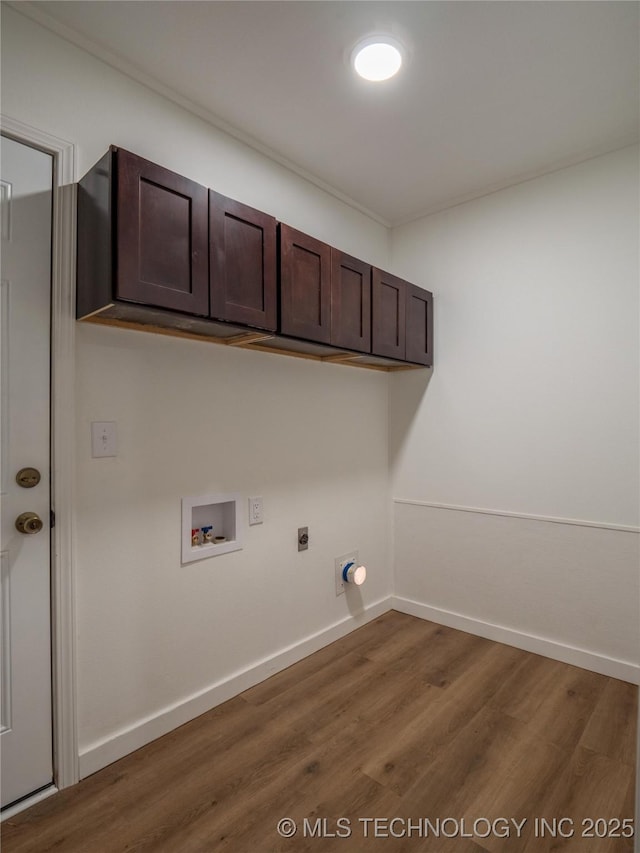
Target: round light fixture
(377, 58)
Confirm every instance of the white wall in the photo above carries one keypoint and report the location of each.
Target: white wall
(195, 418)
(532, 409)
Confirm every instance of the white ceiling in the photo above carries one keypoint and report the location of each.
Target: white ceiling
(491, 93)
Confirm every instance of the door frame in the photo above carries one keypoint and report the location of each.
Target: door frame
(63, 278)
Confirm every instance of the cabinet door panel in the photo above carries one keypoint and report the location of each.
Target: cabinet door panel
(305, 286)
(419, 347)
(162, 257)
(350, 302)
(242, 263)
(389, 311)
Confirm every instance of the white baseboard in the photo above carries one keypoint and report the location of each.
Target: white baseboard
(624, 670)
(104, 752)
(101, 753)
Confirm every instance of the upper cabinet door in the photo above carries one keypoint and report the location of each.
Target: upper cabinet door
(305, 286)
(350, 302)
(389, 311)
(242, 263)
(419, 348)
(162, 240)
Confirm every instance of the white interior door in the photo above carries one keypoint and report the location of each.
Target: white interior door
(25, 292)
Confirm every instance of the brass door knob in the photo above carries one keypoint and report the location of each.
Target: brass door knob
(29, 522)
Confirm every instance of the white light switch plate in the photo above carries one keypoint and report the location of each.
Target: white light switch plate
(104, 439)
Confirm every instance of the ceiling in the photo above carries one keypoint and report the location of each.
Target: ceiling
(491, 93)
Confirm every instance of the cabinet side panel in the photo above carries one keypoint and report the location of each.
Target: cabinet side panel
(94, 248)
(419, 325)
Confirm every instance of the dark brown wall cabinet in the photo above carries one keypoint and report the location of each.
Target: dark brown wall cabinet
(419, 329)
(328, 297)
(142, 237)
(242, 263)
(325, 295)
(151, 237)
(161, 243)
(158, 251)
(389, 312)
(305, 286)
(350, 302)
(402, 319)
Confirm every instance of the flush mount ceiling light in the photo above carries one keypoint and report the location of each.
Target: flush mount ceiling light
(377, 58)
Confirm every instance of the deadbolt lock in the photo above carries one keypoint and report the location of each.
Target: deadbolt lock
(29, 522)
(28, 477)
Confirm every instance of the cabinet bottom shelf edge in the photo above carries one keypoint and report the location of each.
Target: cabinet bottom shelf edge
(266, 342)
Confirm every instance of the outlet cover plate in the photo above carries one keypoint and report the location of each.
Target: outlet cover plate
(340, 563)
(255, 511)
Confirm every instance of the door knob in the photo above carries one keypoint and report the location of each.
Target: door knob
(29, 522)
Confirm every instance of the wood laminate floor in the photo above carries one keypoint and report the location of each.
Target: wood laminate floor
(403, 721)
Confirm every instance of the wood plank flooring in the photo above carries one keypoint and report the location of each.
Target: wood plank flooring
(401, 719)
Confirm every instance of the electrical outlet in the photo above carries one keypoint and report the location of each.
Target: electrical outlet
(255, 511)
(340, 563)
